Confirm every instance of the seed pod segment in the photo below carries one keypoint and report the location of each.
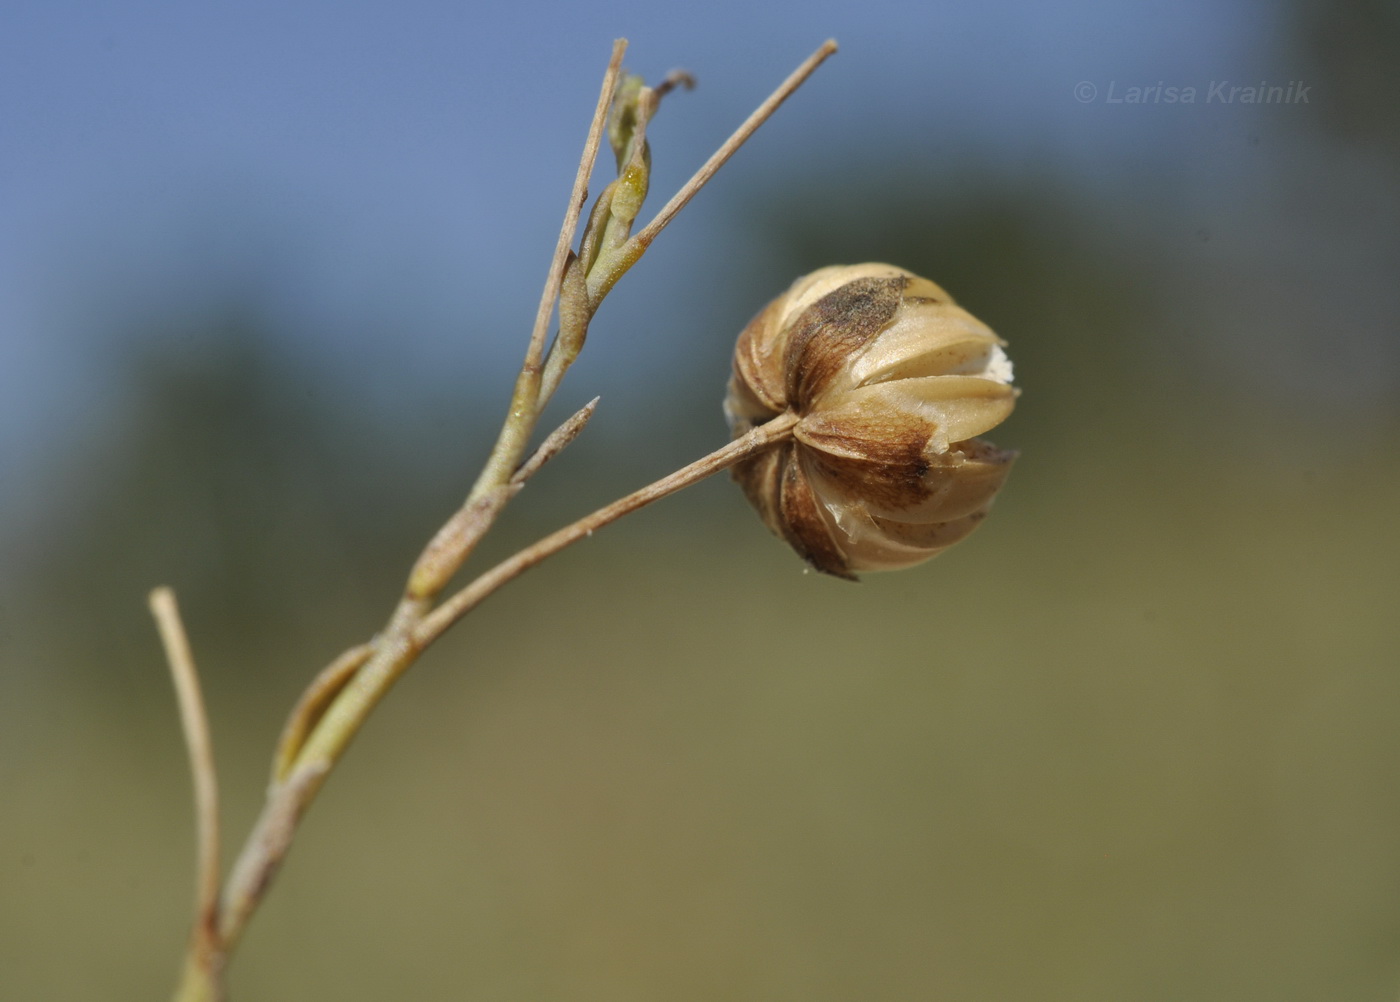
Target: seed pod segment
(892, 383)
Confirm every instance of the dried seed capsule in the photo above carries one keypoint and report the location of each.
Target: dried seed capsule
(892, 382)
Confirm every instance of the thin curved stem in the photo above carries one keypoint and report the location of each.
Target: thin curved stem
(603, 278)
(525, 403)
(731, 145)
(203, 961)
(454, 608)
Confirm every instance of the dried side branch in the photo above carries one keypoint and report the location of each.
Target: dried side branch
(557, 441)
(526, 400)
(576, 200)
(612, 267)
(731, 145)
(205, 949)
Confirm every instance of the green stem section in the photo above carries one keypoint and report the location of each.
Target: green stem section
(199, 982)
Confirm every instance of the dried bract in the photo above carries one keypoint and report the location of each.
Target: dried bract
(892, 381)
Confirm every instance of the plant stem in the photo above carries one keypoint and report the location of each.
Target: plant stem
(731, 145)
(204, 959)
(602, 279)
(301, 773)
(526, 403)
(452, 609)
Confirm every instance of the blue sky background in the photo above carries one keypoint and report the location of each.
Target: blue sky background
(385, 180)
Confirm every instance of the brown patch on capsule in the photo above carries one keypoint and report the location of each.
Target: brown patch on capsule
(881, 461)
(893, 486)
(803, 524)
(826, 334)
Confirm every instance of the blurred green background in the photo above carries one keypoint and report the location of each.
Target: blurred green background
(1135, 739)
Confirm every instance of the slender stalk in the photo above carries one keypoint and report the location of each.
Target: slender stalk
(525, 404)
(454, 608)
(602, 279)
(556, 442)
(731, 145)
(203, 963)
(287, 800)
(453, 543)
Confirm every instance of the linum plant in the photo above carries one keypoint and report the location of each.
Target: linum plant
(854, 403)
